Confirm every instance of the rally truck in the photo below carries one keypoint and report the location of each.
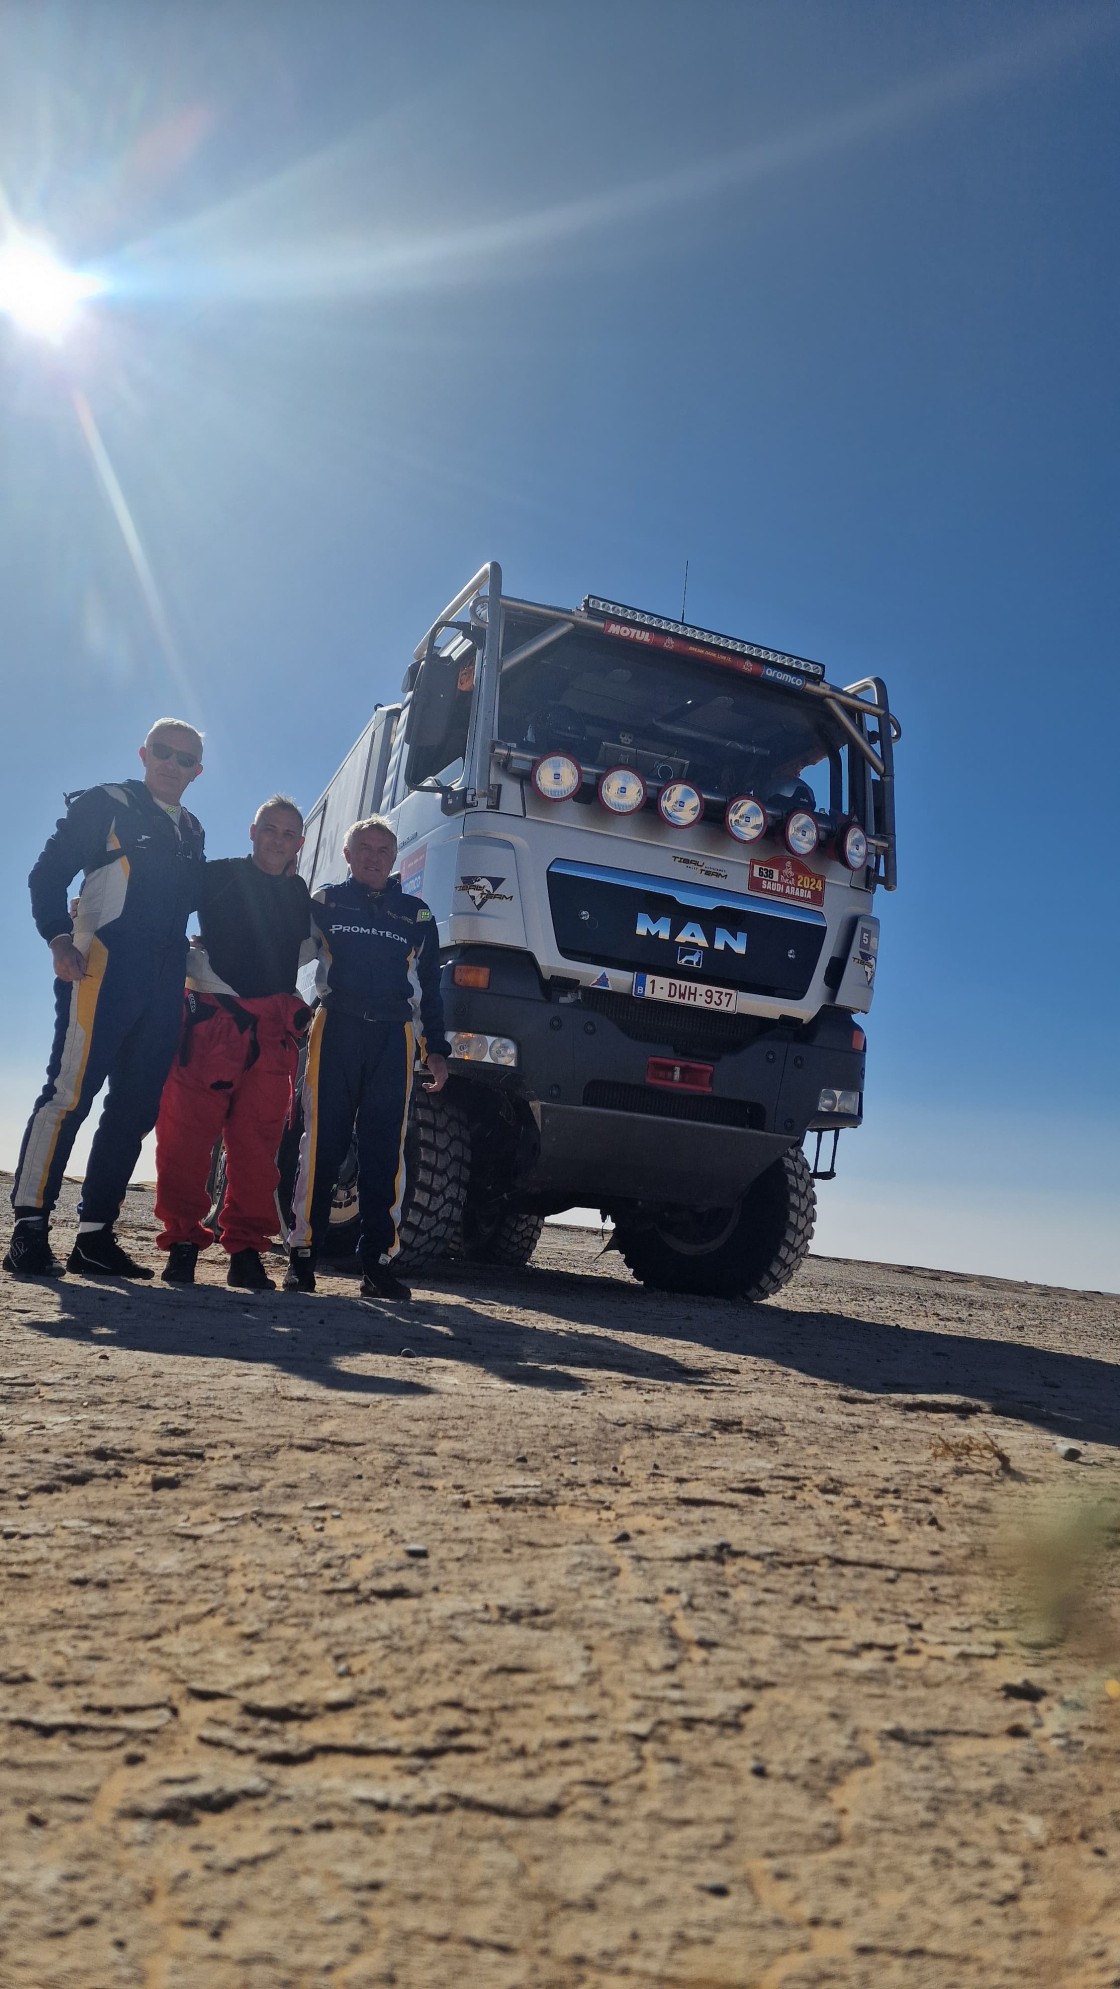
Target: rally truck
(652, 852)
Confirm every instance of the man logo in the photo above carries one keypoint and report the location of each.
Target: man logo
(689, 956)
(649, 926)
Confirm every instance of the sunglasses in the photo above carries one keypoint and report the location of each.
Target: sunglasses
(169, 753)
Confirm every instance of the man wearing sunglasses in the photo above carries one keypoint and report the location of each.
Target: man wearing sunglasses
(119, 966)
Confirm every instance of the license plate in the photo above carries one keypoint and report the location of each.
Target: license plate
(690, 994)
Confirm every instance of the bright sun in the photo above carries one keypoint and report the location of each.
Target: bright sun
(38, 292)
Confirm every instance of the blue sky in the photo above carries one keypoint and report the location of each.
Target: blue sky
(822, 297)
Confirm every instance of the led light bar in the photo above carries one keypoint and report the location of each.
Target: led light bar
(681, 635)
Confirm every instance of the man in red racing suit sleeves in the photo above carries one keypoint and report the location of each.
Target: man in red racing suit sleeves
(235, 1070)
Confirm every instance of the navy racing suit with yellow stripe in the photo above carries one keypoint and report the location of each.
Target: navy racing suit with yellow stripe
(121, 1022)
(378, 974)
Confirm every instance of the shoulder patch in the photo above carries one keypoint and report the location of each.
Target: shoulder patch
(422, 914)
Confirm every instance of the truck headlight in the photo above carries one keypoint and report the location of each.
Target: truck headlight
(469, 1046)
(845, 1103)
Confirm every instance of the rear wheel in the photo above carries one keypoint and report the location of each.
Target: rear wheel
(748, 1251)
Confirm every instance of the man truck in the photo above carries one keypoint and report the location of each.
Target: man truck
(652, 852)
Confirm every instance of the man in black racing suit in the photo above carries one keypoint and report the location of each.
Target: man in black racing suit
(379, 962)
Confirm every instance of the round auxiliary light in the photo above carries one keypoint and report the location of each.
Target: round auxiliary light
(680, 804)
(746, 818)
(802, 833)
(622, 790)
(557, 777)
(853, 846)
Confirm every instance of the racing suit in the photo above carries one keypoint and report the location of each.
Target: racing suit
(234, 1074)
(379, 964)
(142, 869)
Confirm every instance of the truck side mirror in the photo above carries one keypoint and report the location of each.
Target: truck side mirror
(437, 718)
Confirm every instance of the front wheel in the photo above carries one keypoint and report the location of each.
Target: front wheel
(748, 1251)
(436, 1163)
(497, 1234)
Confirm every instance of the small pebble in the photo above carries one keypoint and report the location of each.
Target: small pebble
(408, 1353)
(1070, 1451)
(165, 1481)
(618, 1538)
(416, 1552)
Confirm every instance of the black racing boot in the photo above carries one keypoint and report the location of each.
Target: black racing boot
(97, 1254)
(380, 1281)
(247, 1272)
(29, 1253)
(181, 1260)
(301, 1271)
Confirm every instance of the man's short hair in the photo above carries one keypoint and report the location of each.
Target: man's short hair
(275, 803)
(175, 725)
(370, 822)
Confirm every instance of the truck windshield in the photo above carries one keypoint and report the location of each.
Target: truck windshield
(675, 719)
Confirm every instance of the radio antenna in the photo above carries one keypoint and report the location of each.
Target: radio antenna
(684, 594)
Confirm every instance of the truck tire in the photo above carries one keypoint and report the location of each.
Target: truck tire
(497, 1236)
(749, 1251)
(436, 1160)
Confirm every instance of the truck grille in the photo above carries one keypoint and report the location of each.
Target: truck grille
(684, 1029)
(609, 1096)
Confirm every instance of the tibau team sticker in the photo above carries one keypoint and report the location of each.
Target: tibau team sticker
(787, 880)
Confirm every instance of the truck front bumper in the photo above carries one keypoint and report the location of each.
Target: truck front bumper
(605, 1133)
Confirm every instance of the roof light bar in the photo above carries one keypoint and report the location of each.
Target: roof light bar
(746, 819)
(801, 832)
(681, 635)
(680, 804)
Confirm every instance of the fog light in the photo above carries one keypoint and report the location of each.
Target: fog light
(468, 1047)
(845, 1103)
(471, 1047)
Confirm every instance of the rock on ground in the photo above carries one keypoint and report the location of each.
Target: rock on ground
(550, 1633)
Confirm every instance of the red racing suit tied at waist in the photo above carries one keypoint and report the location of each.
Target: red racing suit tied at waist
(273, 1023)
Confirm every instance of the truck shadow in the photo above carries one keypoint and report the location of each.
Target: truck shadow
(1073, 1395)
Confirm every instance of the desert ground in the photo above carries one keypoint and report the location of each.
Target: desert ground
(549, 1633)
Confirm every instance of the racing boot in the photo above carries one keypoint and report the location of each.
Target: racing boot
(301, 1271)
(29, 1253)
(181, 1260)
(247, 1272)
(380, 1281)
(97, 1254)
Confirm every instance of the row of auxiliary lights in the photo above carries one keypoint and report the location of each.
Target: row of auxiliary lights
(557, 777)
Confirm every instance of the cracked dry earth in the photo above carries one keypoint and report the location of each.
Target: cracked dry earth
(553, 1633)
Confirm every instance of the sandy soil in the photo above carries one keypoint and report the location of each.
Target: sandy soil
(548, 1632)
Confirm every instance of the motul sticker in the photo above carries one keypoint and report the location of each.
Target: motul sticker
(412, 872)
(787, 880)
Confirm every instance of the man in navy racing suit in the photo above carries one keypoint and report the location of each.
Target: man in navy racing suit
(379, 960)
(119, 965)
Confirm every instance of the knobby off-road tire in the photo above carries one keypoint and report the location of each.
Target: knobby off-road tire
(749, 1251)
(496, 1236)
(437, 1162)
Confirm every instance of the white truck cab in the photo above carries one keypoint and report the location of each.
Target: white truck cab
(652, 852)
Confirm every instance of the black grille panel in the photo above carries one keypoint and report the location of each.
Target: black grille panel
(609, 1096)
(685, 1029)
